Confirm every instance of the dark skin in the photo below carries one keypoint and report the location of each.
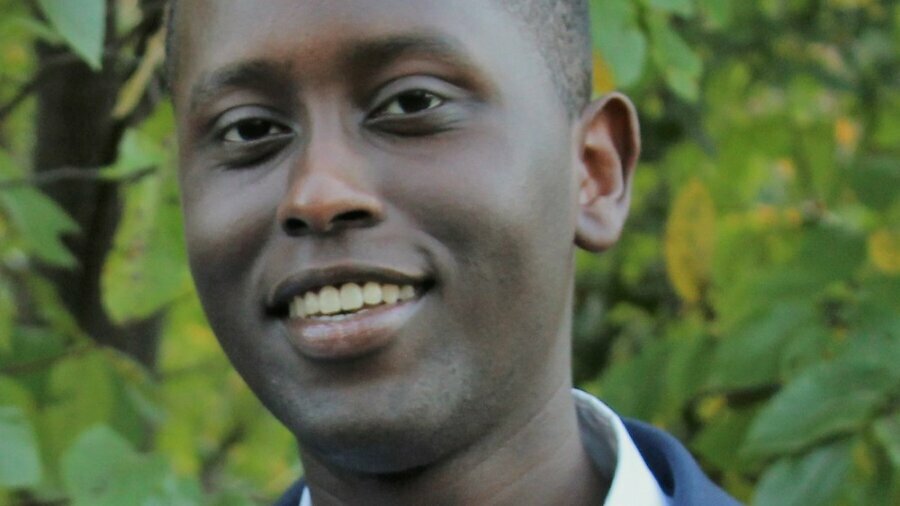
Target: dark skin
(329, 141)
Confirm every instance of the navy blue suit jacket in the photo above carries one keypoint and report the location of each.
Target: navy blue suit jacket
(675, 470)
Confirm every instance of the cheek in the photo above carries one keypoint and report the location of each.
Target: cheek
(501, 213)
(227, 225)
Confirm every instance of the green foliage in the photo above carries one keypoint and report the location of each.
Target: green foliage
(38, 220)
(21, 465)
(752, 307)
(145, 269)
(80, 24)
(774, 177)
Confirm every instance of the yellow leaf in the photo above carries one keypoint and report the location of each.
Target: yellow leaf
(689, 243)
(134, 88)
(793, 216)
(884, 250)
(846, 133)
(604, 82)
(786, 169)
(711, 406)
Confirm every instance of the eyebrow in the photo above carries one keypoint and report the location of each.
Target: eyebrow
(261, 75)
(364, 58)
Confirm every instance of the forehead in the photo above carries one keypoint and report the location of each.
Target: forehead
(317, 33)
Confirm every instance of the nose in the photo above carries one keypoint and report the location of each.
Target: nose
(328, 193)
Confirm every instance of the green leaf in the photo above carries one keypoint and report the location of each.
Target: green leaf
(81, 23)
(718, 12)
(37, 218)
(810, 479)
(146, 268)
(20, 464)
(829, 400)
(102, 468)
(887, 430)
(875, 181)
(680, 65)
(7, 317)
(636, 387)
(95, 453)
(15, 395)
(42, 223)
(716, 441)
(82, 393)
(751, 356)
(682, 7)
(619, 39)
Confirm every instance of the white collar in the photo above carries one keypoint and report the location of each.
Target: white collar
(633, 484)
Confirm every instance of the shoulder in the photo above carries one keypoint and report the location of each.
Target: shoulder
(674, 468)
(292, 496)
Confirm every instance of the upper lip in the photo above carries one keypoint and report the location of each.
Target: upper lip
(312, 279)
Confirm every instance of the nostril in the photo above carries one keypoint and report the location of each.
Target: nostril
(353, 216)
(294, 226)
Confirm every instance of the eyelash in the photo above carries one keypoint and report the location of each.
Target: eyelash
(392, 109)
(394, 106)
(272, 128)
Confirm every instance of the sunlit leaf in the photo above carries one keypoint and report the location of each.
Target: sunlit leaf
(884, 250)
(147, 267)
(20, 464)
(680, 64)
(719, 12)
(619, 40)
(690, 236)
(683, 7)
(103, 469)
(37, 218)
(133, 89)
(81, 23)
(82, 393)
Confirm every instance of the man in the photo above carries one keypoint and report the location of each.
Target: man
(382, 200)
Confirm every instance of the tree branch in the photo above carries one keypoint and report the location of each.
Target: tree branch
(49, 177)
(43, 363)
(19, 97)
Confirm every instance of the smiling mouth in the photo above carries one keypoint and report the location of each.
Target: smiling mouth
(346, 313)
(333, 303)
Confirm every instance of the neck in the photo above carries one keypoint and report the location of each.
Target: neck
(539, 460)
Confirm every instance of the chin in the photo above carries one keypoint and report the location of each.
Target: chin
(392, 431)
(382, 446)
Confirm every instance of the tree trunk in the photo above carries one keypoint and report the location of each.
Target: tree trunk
(75, 128)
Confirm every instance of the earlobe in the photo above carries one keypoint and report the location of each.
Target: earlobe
(609, 149)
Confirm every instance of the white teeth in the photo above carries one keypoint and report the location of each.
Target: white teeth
(351, 297)
(390, 294)
(372, 293)
(297, 308)
(311, 301)
(329, 300)
(348, 299)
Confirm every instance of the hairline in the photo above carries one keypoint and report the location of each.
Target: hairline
(571, 79)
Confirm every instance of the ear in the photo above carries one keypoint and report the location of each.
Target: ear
(610, 143)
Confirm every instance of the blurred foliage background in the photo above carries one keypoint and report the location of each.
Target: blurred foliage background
(752, 307)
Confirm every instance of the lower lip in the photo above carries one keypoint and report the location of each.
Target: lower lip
(352, 337)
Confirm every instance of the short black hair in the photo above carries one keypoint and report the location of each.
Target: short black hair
(561, 29)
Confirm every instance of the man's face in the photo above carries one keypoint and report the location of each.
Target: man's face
(398, 142)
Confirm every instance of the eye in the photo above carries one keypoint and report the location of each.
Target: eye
(253, 130)
(410, 102)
